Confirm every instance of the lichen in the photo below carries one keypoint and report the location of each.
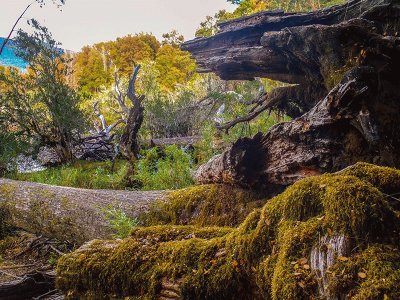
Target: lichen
(217, 205)
(263, 258)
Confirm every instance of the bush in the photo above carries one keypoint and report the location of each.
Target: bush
(168, 168)
(81, 174)
(119, 222)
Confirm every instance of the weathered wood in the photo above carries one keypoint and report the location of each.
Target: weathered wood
(238, 52)
(31, 285)
(69, 214)
(350, 50)
(129, 143)
(344, 128)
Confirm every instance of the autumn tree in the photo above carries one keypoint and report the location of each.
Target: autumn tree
(94, 65)
(174, 67)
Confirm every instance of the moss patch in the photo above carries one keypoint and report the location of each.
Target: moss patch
(260, 258)
(217, 205)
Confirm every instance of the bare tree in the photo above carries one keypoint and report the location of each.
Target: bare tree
(130, 115)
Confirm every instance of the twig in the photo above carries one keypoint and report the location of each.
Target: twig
(12, 30)
(56, 250)
(9, 274)
(52, 292)
(17, 267)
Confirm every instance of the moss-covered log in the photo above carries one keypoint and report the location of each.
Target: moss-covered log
(69, 214)
(78, 215)
(204, 205)
(351, 215)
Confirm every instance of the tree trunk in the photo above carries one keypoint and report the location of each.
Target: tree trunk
(69, 214)
(351, 50)
(129, 143)
(30, 286)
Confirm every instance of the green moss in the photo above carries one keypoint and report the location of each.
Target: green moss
(385, 179)
(260, 258)
(217, 205)
(379, 264)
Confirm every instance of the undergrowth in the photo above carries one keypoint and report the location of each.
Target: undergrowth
(81, 174)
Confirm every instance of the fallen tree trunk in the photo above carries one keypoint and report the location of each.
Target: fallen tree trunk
(344, 62)
(69, 214)
(336, 230)
(31, 285)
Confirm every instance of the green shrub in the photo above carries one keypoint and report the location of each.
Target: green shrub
(168, 168)
(119, 221)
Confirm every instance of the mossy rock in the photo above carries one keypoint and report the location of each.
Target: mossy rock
(260, 259)
(205, 205)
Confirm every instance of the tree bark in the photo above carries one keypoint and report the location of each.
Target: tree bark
(129, 143)
(69, 214)
(351, 50)
(29, 286)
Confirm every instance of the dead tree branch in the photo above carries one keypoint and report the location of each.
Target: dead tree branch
(13, 28)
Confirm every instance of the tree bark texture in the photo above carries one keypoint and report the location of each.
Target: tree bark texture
(343, 62)
(69, 214)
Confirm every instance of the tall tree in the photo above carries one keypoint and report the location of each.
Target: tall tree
(174, 67)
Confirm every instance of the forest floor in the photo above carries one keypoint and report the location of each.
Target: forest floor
(26, 257)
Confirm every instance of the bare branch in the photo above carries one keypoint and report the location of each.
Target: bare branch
(99, 115)
(112, 126)
(131, 88)
(13, 28)
(253, 114)
(120, 97)
(262, 103)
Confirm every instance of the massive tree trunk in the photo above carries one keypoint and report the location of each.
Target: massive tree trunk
(352, 51)
(69, 214)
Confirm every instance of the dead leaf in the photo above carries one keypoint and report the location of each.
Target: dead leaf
(301, 284)
(343, 258)
(362, 275)
(307, 267)
(321, 218)
(235, 263)
(302, 261)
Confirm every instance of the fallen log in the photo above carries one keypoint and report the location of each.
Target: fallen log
(34, 284)
(344, 62)
(69, 214)
(341, 221)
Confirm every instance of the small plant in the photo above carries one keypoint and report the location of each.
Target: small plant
(52, 261)
(119, 221)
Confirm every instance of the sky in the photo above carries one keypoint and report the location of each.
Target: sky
(85, 22)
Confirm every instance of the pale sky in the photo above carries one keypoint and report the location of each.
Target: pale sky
(85, 22)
